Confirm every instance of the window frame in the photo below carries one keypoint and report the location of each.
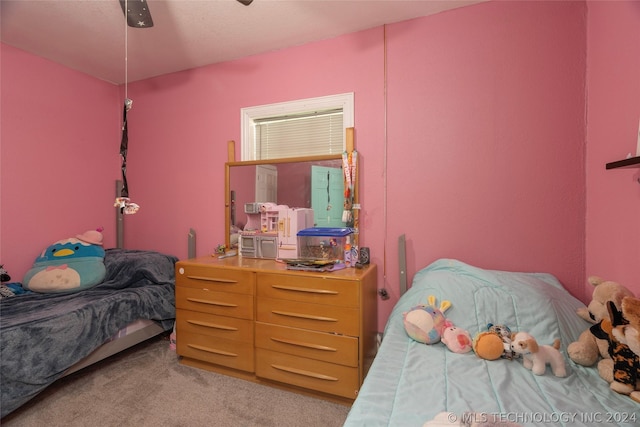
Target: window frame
(249, 114)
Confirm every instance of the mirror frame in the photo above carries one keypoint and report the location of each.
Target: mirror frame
(227, 184)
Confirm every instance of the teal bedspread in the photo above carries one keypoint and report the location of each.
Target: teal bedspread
(410, 383)
(42, 335)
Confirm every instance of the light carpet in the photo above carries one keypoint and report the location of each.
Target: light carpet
(146, 386)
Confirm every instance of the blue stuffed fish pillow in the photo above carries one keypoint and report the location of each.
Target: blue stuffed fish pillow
(68, 265)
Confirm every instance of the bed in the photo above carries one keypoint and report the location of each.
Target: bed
(44, 336)
(410, 383)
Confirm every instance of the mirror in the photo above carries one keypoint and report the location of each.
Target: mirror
(294, 182)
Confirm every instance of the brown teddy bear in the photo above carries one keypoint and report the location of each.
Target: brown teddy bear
(588, 349)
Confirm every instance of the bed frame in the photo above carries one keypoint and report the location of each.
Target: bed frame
(402, 263)
(141, 330)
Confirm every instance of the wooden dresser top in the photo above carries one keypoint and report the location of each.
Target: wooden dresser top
(273, 266)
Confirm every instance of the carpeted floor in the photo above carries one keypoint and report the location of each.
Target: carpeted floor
(145, 386)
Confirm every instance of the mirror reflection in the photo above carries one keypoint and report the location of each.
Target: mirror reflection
(313, 187)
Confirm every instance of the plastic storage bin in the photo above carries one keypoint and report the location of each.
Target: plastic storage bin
(323, 243)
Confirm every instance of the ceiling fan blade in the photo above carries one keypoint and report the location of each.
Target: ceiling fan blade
(245, 2)
(137, 13)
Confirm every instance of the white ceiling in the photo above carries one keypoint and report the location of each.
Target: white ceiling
(89, 35)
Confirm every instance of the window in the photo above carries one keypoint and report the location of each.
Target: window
(308, 127)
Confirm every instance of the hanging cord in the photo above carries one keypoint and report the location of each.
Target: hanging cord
(123, 202)
(128, 103)
(124, 143)
(124, 146)
(126, 52)
(384, 167)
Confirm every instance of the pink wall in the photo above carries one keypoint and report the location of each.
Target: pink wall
(59, 156)
(485, 146)
(613, 196)
(486, 138)
(183, 121)
(484, 141)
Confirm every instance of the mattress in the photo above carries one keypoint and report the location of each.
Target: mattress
(409, 383)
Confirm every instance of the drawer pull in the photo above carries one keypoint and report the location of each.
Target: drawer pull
(311, 291)
(304, 344)
(204, 301)
(304, 373)
(212, 279)
(305, 316)
(212, 350)
(211, 325)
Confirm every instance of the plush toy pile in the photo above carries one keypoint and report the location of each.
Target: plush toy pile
(427, 324)
(589, 349)
(613, 341)
(68, 265)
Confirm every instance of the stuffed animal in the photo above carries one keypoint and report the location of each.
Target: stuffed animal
(425, 323)
(493, 344)
(488, 345)
(68, 265)
(587, 350)
(505, 334)
(631, 312)
(602, 333)
(626, 363)
(4, 276)
(536, 357)
(456, 339)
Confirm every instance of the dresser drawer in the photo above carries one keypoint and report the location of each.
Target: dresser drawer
(215, 278)
(311, 374)
(326, 318)
(317, 290)
(223, 327)
(232, 354)
(207, 301)
(332, 348)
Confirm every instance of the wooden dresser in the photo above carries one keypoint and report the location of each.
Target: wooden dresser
(254, 319)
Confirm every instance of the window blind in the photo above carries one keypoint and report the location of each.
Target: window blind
(306, 134)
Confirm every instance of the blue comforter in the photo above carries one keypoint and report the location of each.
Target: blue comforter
(409, 383)
(42, 335)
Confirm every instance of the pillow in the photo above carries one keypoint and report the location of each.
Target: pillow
(68, 265)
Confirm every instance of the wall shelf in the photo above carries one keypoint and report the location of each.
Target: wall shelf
(633, 162)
